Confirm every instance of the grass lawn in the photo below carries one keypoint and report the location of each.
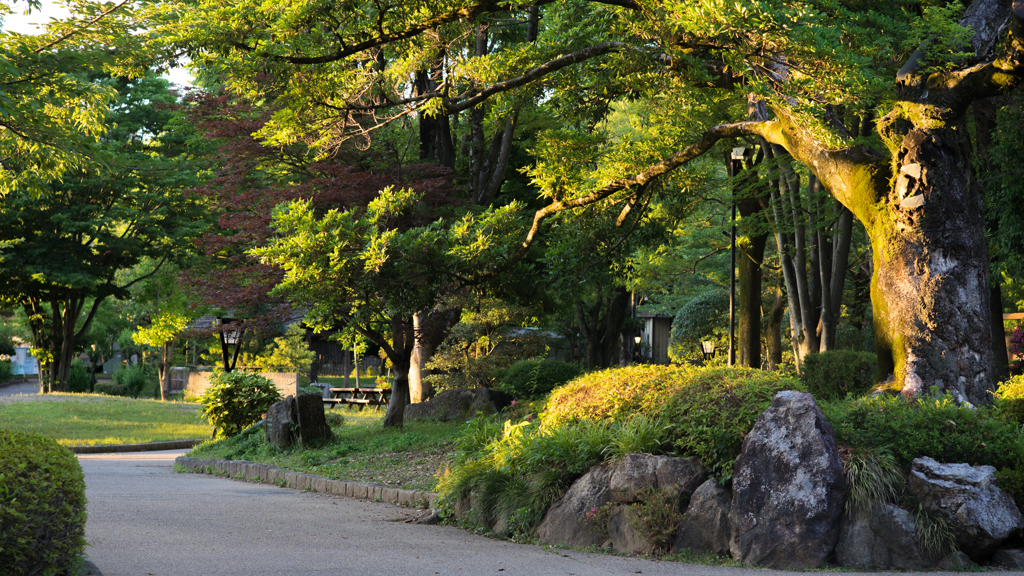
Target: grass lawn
(93, 419)
(362, 450)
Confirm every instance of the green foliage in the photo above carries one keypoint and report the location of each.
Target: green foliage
(656, 516)
(315, 390)
(236, 400)
(110, 389)
(638, 434)
(490, 337)
(946, 43)
(79, 379)
(1010, 398)
(710, 409)
(834, 374)
(938, 428)
(5, 371)
(933, 531)
(700, 318)
(334, 418)
(132, 378)
(290, 351)
(874, 477)
(518, 468)
(42, 506)
(530, 379)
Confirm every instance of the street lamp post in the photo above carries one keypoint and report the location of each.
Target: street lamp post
(230, 336)
(707, 349)
(636, 348)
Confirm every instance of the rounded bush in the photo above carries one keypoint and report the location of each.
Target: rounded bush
(535, 378)
(710, 409)
(132, 378)
(79, 378)
(42, 506)
(834, 374)
(236, 400)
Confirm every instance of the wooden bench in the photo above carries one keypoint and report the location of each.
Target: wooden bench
(359, 396)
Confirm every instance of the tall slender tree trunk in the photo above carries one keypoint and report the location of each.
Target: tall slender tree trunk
(400, 353)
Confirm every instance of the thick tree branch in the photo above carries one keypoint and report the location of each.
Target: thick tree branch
(536, 73)
(703, 144)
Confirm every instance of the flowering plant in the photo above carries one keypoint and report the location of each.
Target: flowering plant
(1017, 339)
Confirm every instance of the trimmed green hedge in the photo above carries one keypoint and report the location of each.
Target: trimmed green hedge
(42, 506)
(834, 374)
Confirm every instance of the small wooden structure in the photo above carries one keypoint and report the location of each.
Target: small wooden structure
(359, 396)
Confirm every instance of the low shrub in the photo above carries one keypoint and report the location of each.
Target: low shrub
(938, 428)
(133, 378)
(79, 379)
(236, 400)
(1009, 398)
(42, 506)
(710, 409)
(5, 371)
(534, 378)
(835, 374)
(110, 389)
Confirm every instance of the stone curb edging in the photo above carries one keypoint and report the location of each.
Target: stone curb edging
(171, 445)
(270, 474)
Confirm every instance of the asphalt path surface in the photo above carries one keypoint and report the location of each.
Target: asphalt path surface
(145, 519)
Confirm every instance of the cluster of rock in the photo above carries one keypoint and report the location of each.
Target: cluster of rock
(296, 420)
(786, 505)
(459, 404)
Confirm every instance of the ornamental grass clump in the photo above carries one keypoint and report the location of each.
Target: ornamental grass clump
(236, 400)
(42, 506)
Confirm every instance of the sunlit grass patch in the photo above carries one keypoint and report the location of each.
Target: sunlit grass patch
(93, 419)
(363, 450)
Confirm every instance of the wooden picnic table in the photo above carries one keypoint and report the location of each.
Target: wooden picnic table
(359, 396)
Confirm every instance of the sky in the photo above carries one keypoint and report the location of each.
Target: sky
(31, 24)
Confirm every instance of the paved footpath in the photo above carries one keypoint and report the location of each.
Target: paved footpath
(147, 520)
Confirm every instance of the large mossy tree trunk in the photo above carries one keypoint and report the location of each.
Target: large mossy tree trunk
(930, 286)
(923, 213)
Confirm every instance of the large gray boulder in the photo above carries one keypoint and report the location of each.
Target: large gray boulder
(281, 424)
(883, 539)
(459, 404)
(637, 473)
(1008, 558)
(980, 514)
(788, 487)
(622, 532)
(296, 421)
(566, 521)
(309, 413)
(706, 526)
